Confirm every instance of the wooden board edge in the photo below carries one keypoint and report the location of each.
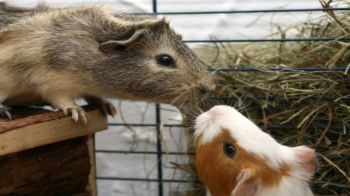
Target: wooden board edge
(50, 132)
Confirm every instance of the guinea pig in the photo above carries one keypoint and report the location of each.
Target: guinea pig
(59, 55)
(234, 157)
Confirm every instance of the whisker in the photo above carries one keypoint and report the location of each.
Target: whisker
(183, 103)
(170, 92)
(178, 97)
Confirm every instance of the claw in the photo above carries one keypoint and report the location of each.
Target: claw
(78, 114)
(65, 111)
(111, 110)
(105, 106)
(83, 116)
(5, 113)
(75, 115)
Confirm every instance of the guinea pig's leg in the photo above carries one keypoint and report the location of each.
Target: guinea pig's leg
(106, 106)
(68, 106)
(4, 110)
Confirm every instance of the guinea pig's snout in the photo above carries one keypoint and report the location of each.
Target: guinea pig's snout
(206, 88)
(215, 111)
(307, 158)
(220, 110)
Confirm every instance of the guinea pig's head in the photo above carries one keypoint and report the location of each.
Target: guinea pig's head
(234, 157)
(156, 64)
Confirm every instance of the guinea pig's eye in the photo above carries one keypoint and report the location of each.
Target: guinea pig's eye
(229, 150)
(165, 60)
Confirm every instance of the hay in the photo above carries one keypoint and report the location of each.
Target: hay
(296, 107)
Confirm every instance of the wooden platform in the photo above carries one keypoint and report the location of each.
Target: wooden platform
(46, 153)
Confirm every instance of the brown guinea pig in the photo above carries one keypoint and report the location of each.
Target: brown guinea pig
(236, 158)
(56, 56)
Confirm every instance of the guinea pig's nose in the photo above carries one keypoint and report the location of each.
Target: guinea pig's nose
(211, 87)
(215, 111)
(207, 88)
(307, 158)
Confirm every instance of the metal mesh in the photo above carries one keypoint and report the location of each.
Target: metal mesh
(158, 124)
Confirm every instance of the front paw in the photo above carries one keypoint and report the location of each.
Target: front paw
(78, 114)
(108, 108)
(104, 105)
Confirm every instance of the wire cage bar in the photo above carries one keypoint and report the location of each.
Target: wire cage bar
(157, 125)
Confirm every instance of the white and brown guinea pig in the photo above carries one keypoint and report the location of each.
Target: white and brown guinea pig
(234, 157)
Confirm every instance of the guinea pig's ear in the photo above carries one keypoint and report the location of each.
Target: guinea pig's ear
(245, 185)
(158, 26)
(108, 45)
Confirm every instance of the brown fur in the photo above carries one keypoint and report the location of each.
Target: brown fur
(10, 15)
(55, 56)
(210, 159)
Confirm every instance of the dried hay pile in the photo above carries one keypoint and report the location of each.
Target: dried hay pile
(296, 106)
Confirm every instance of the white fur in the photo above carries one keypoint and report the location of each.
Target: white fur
(245, 132)
(254, 140)
(289, 186)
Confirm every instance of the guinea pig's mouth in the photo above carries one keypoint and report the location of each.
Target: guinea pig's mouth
(312, 166)
(204, 97)
(188, 100)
